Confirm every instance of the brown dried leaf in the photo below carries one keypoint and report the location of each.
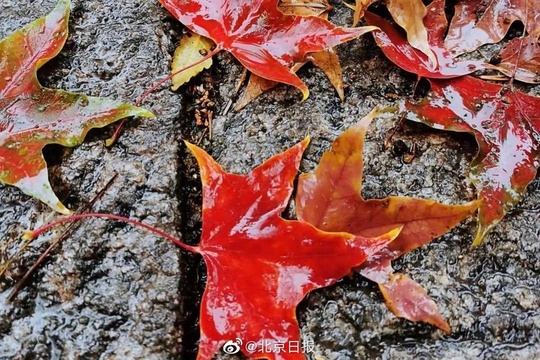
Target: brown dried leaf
(410, 14)
(359, 7)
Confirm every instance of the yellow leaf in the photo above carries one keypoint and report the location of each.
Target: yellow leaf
(409, 14)
(359, 8)
(192, 48)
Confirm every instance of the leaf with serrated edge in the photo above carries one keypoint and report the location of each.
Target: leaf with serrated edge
(32, 116)
(192, 48)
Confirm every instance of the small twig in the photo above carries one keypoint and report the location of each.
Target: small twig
(235, 92)
(210, 124)
(143, 97)
(202, 137)
(58, 240)
(394, 130)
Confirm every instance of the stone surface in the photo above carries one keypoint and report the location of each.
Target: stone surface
(114, 292)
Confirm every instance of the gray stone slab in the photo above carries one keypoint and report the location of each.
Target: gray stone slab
(109, 290)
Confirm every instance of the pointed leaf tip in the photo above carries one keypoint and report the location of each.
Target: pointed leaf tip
(306, 142)
(35, 112)
(408, 299)
(305, 93)
(141, 112)
(62, 6)
(394, 233)
(28, 235)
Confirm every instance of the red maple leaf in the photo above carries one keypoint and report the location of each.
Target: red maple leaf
(267, 42)
(480, 22)
(506, 125)
(520, 59)
(393, 43)
(260, 266)
(330, 198)
(32, 116)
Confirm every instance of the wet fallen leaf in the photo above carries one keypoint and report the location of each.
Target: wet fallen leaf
(408, 299)
(260, 266)
(304, 7)
(330, 199)
(409, 14)
(327, 60)
(32, 116)
(506, 125)
(256, 86)
(520, 59)
(266, 41)
(359, 7)
(400, 52)
(480, 22)
(406, 13)
(192, 48)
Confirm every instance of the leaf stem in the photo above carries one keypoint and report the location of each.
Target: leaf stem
(57, 241)
(200, 61)
(31, 234)
(143, 97)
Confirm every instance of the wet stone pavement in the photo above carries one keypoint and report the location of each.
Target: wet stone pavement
(111, 291)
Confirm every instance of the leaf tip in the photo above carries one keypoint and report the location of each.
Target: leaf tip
(305, 93)
(145, 113)
(443, 325)
(196, 151)
(306, 141)
(28, 235)
(62, 209)
(63, 6)
(394, 233)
